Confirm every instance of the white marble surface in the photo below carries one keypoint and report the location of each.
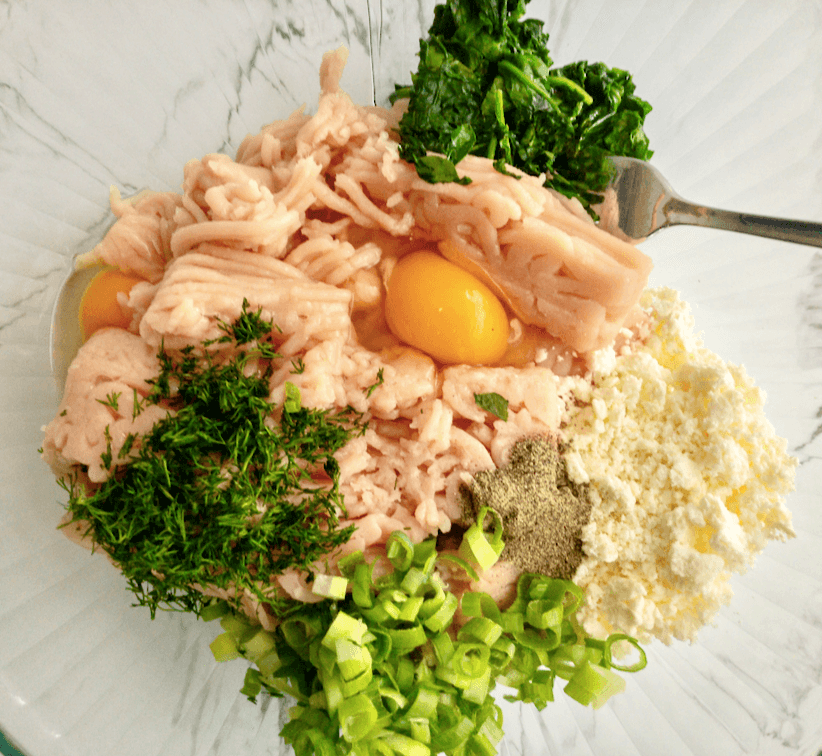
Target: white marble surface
(94, 93)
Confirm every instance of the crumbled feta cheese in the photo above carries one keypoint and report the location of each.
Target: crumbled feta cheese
(687, 478)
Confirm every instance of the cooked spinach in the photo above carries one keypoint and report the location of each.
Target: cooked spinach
(485, 86)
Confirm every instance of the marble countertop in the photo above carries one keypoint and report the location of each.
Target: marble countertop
(100, 93)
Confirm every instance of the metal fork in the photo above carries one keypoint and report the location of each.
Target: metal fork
(645, 202)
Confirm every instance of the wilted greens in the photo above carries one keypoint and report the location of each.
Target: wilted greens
(485, 86)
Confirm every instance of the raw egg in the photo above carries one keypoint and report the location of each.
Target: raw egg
(445, 311)
(99, 307)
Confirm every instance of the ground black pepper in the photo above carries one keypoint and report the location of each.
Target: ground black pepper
(542, 511)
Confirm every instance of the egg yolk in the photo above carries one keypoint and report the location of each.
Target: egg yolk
(445, 311)
(99, 307)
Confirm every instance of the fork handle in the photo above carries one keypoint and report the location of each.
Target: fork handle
(678, 211)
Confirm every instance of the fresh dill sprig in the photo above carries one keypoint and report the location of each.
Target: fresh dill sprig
(218, 493)
(137, 406)
(112, 400)
(125, 449)
(106, 456)
(374, 386)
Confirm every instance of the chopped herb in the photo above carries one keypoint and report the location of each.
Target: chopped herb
(249, 328)
(218, 493)
(106, 456)
(485, 86)
(112, 400)
(127, 446)
(137, 406)
(374, 386)
(493, 403)
(298, 366)
(64, 413)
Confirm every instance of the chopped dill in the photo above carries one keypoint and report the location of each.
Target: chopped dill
(112, 400)
(137, 406)
(218, 493)
(298, 366)
(374, 386)
(106, 456)
(125, 449)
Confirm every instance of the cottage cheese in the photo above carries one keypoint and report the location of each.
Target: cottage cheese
(687, 478)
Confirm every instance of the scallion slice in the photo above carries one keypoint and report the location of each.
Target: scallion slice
(330, 586)
(382, 669)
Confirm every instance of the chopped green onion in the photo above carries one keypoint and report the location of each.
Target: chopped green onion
(352, 659)
(470, 659)
(214, 611)
(404, 745)
(380, 646)
(441, 619)
(594, 685)
(502, 652)
(361, 587)
(424, 703)
(405, 674)
(443, 647)
(358, 683)
(410, 609)
(381, 670)
(396, 699)
(400, 550)
(258, 645)
(481, 629)
(475, 604)
(348, 564)
(488, 736)
(450, 739)
(333, 689)
(544, 614)
(390, 609)
(425, 553)
(621, 637)
(460, 562)
(357, 717)
(224, 648)
(403, 640)
(235, 626)
(476, 548)
(292, 401)
(300, 631)
(420, 729)
(251, 684)
(413, 581)
(269, 664)
(330, 586)
(344, 626)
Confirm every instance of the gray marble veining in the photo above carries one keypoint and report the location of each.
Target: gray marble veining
(104, 93)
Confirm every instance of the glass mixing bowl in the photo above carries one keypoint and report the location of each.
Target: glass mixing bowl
(120, 93)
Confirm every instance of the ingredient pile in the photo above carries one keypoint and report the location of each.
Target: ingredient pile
(380, 396)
